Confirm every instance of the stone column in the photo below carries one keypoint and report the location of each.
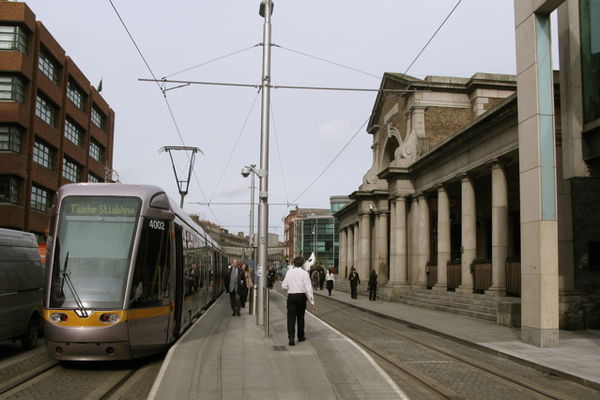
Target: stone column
(414, 243)
(468, 234)
(499, 230)
(393, 250)
(349, 252)
(365, 244)
(443, 239)
(356, 246)
(343, 251)
(423, 240)
(382, 246)
(400, 238)
(537, 176)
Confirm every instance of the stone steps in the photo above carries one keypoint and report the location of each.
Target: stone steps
(452, 303)
(503, 310)
(454, 298)
(480, 306)
(489, 316)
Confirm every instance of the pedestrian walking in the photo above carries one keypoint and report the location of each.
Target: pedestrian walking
(299, 288)
(321, 276)
(330, 280)
(270, 278)
(235, 280)
(354, 282)
(372, 285)
(314, 278)
(248, 285)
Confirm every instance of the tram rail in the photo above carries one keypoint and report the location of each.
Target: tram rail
(100, 381)
(430, 382)
(21, 379)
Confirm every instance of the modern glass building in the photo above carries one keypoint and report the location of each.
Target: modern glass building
(318, 234)
(316, 231)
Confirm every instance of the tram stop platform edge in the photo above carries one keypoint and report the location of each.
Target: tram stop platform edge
(229, 357)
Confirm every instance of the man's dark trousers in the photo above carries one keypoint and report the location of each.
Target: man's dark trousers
(234, 299)
(296, 306)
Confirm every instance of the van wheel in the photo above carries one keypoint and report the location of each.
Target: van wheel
(30, 337)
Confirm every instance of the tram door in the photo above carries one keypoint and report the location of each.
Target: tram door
(179, 287)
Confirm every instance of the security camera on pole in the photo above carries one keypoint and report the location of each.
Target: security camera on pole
(265, 11)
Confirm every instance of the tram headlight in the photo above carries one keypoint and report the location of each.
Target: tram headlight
(109, 318)
(59, 317)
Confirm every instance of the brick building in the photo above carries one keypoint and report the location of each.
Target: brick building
(55, 128)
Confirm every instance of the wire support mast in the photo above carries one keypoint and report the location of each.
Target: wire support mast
(259, 86)
(182, 184)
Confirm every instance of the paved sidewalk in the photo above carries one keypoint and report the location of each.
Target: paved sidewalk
(577, 357)
(225, 357)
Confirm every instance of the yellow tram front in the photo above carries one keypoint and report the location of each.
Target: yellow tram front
(107, 284)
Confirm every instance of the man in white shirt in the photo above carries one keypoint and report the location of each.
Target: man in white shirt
(299, 288)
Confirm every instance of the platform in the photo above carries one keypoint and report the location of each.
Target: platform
(577, 358)
(227, 357)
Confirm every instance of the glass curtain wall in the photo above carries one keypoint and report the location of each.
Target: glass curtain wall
(590, 58)
(318, 235)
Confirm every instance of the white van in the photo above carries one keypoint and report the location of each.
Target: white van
(21, 280)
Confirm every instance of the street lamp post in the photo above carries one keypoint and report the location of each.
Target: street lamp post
(260, 284)
(245, 172)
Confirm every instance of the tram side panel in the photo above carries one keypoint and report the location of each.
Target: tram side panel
(150, 294)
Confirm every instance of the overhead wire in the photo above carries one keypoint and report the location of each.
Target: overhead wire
(235, 145)
(384, 94)
(328, 61)
(285, 192)
(432, 36)
(210, 61)
(147, 64)
(332, 161)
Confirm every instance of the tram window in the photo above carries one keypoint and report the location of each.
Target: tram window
(150, 279)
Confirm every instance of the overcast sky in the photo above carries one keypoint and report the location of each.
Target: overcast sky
(308, 127)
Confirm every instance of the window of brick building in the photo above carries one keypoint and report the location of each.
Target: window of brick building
(71, 170)
(43, 155)
(48, 65)
(45, 110)
(96, 151)
(98, 118)
(9, 189)
(74, 132)
(10, 138)
(13, 38)
(93, 178)
(75, 94)
(40, 198)
(11, 88)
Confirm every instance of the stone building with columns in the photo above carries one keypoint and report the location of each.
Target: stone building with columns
(445, 163)
(451, 204)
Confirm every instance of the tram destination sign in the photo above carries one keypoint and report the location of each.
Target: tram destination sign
(88, 206)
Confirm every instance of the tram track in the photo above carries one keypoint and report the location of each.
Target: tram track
(27, 376)
(86, 381)
(441, 389)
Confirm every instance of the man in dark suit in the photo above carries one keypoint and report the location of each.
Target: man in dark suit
(235, 281)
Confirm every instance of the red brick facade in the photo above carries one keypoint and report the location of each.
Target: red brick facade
(17, 164)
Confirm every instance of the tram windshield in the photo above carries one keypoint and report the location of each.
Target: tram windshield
(93, 249)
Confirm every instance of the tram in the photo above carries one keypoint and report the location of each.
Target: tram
(127, 272)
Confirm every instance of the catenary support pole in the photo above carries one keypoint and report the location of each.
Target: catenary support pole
(266, 8)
